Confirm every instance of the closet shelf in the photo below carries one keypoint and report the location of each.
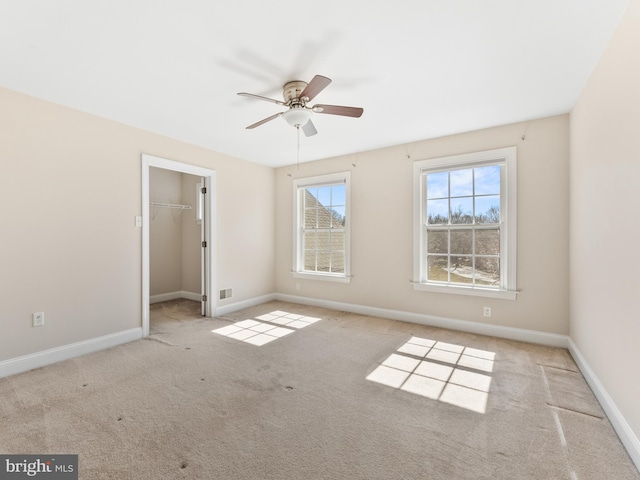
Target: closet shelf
(170, 205)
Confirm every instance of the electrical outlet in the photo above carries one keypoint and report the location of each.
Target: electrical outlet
(486, 311)
(38, 319)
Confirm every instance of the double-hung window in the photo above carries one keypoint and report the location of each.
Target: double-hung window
(465, 224)
(321, 227)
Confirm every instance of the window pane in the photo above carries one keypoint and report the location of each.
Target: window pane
(311, 193)
(310, 260)
(337, 262)
(487, 180)
(338, 216)
(324, 196)
(488, 271)
(323, 261)
(437, 241)
(310, 217)
(437, 268)
(462, 210)
(337, 241)
(488, 209)
(324, 218)
(461, 183)
(488, 242)
(437, 212)
(324, 241)
(338, 195)
(310, 240)
(462, 242)
(461, 269)
(438, 185)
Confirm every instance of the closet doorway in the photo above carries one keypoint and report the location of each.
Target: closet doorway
(178, 214)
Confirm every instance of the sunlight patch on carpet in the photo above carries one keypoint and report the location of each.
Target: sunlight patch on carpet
(266, 328)
(452, 374)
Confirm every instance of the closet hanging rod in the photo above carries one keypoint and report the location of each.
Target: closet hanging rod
(170, 205)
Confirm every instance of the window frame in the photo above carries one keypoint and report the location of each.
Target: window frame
(506, 157)
(299, 185)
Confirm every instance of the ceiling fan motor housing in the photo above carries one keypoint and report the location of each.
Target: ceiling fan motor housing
(292, 90)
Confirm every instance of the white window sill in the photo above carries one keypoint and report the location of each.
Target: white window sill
(325, 277)
(471, 291)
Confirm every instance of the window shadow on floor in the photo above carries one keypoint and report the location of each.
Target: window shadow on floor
(266, 328)
(449, 373)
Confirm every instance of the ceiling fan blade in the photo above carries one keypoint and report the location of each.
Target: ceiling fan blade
(260, 97)
(315, 86)
(268, 119)
(355, 112)
(309, 129)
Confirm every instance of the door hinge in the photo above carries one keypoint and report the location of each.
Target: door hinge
(204, 298)
(204, 244)
(203, 189)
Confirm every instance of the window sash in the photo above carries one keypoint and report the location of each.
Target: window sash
(451, 227)
(472, 254)
(335, 255)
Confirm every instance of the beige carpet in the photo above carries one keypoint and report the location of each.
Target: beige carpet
(305, 393)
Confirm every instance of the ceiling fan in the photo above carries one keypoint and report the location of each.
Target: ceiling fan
(297, 94)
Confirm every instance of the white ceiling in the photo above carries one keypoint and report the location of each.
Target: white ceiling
(419, 68)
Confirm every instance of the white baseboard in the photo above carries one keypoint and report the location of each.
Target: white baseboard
(520, 334)
(232, 307)
(164, 297)
(58, 354)
(623, 429)
(197, 297)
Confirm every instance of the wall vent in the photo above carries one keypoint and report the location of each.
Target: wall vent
(225, 293)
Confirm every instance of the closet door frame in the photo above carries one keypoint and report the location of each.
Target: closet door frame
(209, 177)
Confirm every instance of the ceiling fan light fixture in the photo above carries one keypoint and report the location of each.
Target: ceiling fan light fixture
(297, 117)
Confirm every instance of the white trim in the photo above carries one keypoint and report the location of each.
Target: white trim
(163, 297)
(511, 333)
(195, 296)
(511, 213)
(628, 438)
(325, 277)
(251, 302)
(66, 352)
(462, 290)
(210, 224)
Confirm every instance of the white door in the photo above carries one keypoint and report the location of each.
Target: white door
(204, 242)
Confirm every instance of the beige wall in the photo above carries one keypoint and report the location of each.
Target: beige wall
(165, 232)
(70, 188)
(382, 232)
(605, 214)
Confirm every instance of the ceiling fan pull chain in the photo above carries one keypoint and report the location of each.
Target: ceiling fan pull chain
(298, 151)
